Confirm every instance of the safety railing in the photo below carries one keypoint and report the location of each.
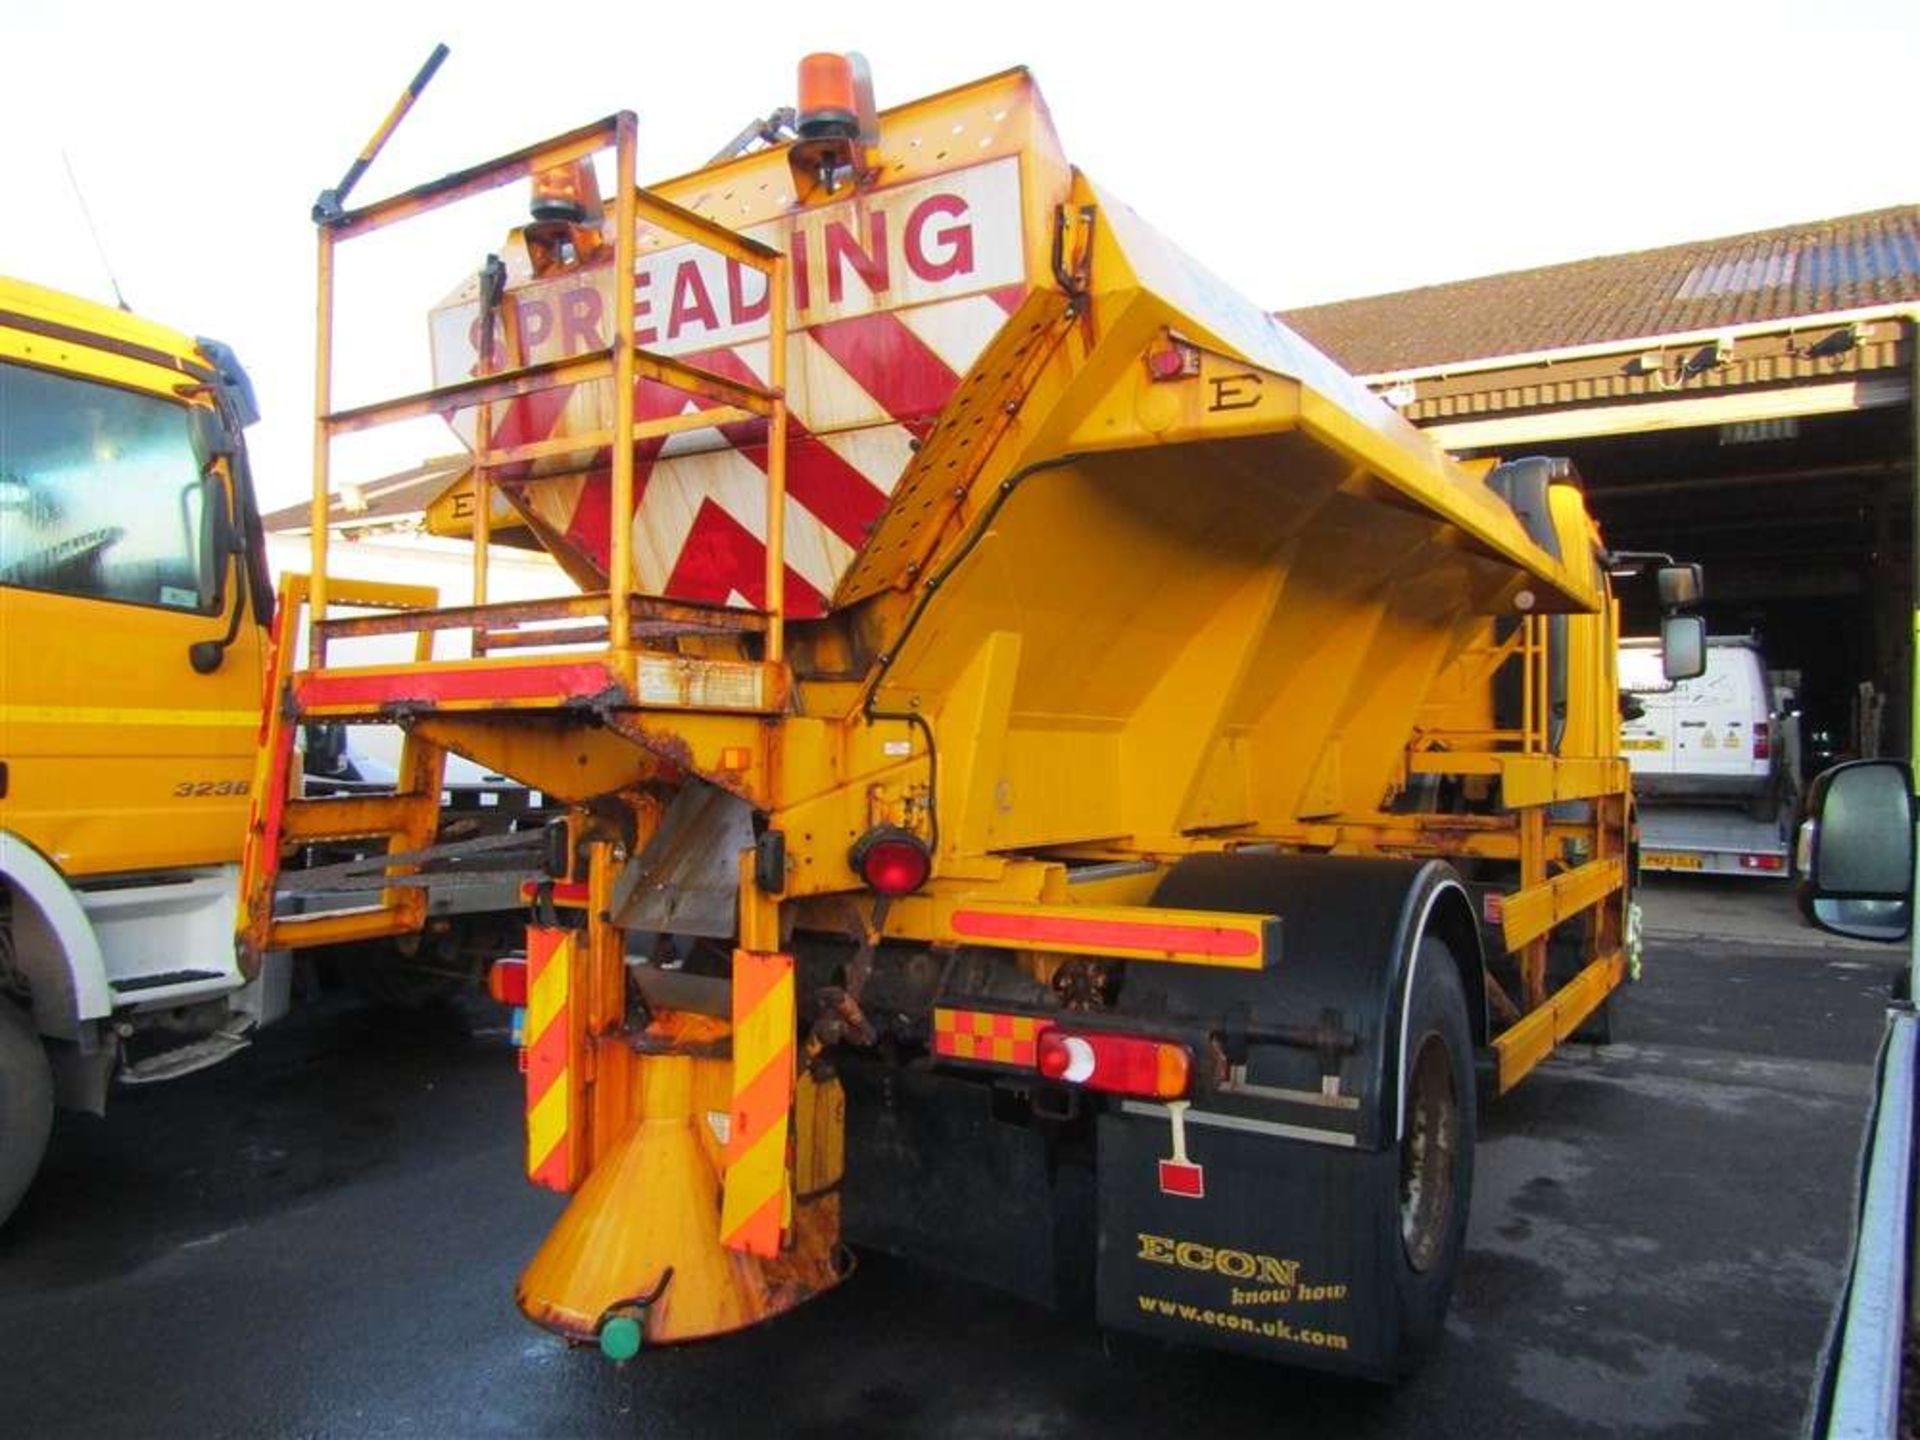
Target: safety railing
(628, 619)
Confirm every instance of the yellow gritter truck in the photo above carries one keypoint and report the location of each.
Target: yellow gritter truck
(1061, 781)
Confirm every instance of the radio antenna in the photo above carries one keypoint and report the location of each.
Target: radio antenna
(93, 230)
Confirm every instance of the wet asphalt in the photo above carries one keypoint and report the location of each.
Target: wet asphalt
(320, 1238)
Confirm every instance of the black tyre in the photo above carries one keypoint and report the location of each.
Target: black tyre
(26, 1104)
(1435, 1173)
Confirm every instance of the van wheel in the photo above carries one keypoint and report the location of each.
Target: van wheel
(26, 1104)
(1435, 1173)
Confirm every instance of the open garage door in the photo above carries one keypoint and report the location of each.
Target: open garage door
(1805, 526)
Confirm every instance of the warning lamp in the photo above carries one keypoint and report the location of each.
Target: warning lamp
(567, 211)
(892, 861)
(829, 105)
(507, 981)
(838, 126)
(1116, 1064)
(568, 194)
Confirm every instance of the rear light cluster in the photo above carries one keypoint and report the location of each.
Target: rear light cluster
(1762, 741)
(1763, 862)
(1114, 1064)
(891, 861)
(507, 981)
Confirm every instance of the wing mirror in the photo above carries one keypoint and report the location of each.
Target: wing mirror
(1855, 851)
(1683, 644)
(1680, 585)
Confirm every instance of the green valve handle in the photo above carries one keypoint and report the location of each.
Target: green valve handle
(622, 1324)
(621, 1337)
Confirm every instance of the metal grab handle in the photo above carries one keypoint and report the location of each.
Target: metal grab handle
(332, 203)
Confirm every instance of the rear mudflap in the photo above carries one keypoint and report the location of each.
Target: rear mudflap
(932, 1174)
(1283, 1254)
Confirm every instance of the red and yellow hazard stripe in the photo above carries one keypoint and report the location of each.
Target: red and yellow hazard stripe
(756, 1203)
(553, 1060)
(984, 1036)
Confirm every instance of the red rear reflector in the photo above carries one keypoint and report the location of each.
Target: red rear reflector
(507, 981)
(1762, 742)
(892, 861)
(1183, 1177)
(1115, 1064)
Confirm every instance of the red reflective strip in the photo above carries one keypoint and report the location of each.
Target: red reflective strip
(554, 1172)
(975, 1034)
(761, 1103)
(1008, 297)
(825, 485)
(565, 892)
(888, 361)
(516, 683)
(275, 816)
(1157, 936)
(721, 556)
(759, 1233)
(590, 527)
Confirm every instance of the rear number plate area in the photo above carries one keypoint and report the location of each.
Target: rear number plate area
(1669, 860)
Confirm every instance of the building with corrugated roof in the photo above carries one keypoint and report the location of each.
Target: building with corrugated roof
(1747, 401)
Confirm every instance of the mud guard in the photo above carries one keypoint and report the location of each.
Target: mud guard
(1287, 1251)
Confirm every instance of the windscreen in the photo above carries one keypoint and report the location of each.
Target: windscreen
(102, 494)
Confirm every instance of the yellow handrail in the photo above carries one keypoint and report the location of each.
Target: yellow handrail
(624, 364)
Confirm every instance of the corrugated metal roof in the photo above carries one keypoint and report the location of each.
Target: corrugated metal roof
(1846, 263)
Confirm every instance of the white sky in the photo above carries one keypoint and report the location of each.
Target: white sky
(1304, 153)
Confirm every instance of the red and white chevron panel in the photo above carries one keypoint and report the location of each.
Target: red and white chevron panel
(896, 293)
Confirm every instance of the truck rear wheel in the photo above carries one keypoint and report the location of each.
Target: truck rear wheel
(1435, 1173)
(26, 1104)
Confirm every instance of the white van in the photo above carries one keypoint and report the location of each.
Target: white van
(1713, 738)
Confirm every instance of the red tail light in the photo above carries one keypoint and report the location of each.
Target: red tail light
(1762, 742)
(507, 981)
(1763, 862)
(1116, 1064)
(892, 861)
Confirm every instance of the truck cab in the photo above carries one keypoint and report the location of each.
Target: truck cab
(133, 607)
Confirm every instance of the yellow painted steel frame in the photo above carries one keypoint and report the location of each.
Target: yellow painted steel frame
(624, 363)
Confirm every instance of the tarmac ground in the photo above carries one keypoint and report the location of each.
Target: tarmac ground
(320, 1238)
